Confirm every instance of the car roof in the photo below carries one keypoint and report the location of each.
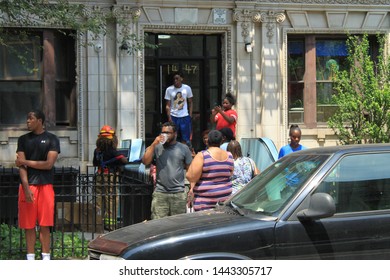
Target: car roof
(341, 149)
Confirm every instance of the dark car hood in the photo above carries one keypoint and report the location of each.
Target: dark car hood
(197, 232)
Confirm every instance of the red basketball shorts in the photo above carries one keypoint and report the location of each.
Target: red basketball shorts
(40, 211)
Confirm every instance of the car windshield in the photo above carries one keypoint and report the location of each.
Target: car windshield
(268, 192)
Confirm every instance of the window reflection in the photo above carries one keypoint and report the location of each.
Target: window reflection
(330, 56)
(22, 75)
(296, 70)
(270, 191)
(359, 183)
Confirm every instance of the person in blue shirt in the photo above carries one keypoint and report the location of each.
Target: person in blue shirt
(295, 138)
(292, 177)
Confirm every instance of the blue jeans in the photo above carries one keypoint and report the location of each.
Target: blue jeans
(184, 129)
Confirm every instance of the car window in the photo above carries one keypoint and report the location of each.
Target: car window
(359, 183)
(270, 191)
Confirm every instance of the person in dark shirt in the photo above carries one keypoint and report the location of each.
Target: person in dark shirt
(37, 151)
(108, 161)
(106, 157)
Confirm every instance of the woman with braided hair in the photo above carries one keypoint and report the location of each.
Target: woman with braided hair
(109, 162)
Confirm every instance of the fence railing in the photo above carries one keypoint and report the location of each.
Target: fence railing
(87, 205)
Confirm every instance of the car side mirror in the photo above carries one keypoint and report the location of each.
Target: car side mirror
(321, 205)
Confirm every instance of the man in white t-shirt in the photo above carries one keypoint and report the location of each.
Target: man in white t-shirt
(178, 106)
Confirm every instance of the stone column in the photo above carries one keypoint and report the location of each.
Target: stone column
(272, 102)
(93, 58)
(246, 54)
(129, 102)
(259, 83)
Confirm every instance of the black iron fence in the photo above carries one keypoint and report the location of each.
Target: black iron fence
(87, 205)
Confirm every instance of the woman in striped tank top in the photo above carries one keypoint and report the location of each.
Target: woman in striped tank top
(210, 174)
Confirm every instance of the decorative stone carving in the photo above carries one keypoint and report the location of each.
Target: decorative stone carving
(247, 17)
(141, 95)
(219, 16)
(270, 18)
(135, 12)
(80, 106)
(125, 15)
(90, 11)
(126, 11)
(96, 8)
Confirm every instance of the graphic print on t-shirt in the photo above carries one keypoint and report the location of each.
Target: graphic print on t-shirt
(178, 101)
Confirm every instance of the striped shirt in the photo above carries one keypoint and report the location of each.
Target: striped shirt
(215, 183)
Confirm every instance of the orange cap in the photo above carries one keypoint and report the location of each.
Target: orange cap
(107, 132)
